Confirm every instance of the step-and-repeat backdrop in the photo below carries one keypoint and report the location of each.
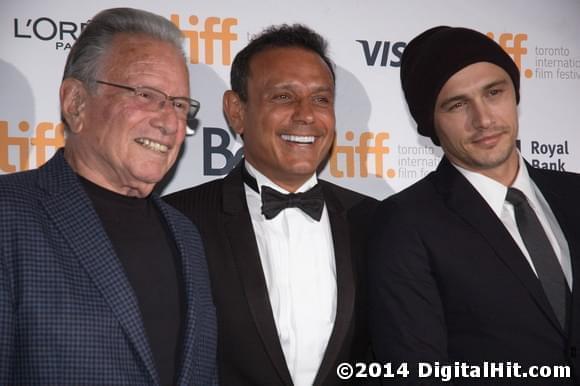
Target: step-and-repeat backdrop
(377, 150)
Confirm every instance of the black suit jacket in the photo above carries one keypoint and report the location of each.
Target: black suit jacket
(249, 352)
(447, 281)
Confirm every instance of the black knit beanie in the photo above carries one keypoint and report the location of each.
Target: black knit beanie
(432, 57)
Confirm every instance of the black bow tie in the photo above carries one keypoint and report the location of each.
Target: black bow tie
(310, 202)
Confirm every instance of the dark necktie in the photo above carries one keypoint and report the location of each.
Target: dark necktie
(541, 252)
(310, 202)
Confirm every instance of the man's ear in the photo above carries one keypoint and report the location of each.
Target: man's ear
(73, 96)
(234, 109)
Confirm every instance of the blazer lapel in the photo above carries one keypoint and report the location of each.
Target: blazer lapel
(463, 199)
(73, 214)
(239, 231)
(345, 281)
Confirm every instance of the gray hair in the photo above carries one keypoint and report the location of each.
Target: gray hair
(84, 59)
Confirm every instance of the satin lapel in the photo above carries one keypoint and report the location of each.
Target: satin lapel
(240, 233)
(72, 213)
(467, 203)
(567, 213)
(345, 281)
(189, 279)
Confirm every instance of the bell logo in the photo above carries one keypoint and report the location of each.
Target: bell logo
(209, 35)
(369, 144)
(218, 157)
(23, 145)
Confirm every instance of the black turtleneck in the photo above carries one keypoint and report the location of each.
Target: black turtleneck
(144, 245)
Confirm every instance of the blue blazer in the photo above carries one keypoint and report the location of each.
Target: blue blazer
(68, 314)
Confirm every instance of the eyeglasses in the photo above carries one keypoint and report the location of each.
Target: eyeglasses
(150, 99)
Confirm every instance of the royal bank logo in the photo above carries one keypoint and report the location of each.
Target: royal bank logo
(210, 33)
(16, 150)
(549, 155)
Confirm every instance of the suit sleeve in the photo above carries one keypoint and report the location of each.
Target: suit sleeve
(215, 380)
(6, 324)
(406, 314)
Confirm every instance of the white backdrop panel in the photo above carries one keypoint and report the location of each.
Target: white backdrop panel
(377, 149)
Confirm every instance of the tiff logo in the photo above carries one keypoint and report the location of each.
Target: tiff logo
(22, 145)
(209, 35)
(344, 156)
(384, 48)
(513, 45)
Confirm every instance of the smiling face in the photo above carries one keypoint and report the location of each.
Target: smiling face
(476, 121)
(287, 122)
(113, 142)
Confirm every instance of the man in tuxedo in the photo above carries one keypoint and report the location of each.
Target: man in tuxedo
(283, 247)
(101, 282)
(479, 260)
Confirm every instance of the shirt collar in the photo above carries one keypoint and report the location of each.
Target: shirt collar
(263, 180)
(494, 192)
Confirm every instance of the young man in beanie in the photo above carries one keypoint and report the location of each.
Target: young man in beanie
(478, 262)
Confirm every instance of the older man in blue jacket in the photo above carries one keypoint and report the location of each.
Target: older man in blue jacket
(102, 283)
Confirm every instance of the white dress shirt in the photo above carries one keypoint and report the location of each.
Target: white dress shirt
(297, 256)
(494, 193)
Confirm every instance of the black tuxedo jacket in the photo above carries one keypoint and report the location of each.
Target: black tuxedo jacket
(249, 352)
(447, 281)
